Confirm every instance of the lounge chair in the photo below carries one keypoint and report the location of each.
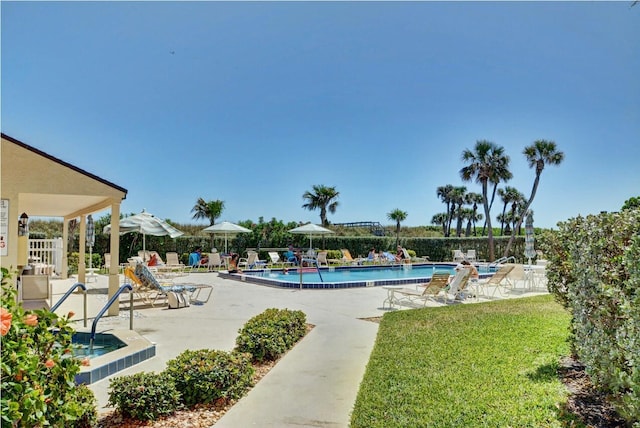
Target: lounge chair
(252, 261)
(471, 256)
(275, 260)
(429, 290)
(458, 256)
(458, 284)
(409, 259)
(499, 279)
(322, 258)
(139, 289)
(348, 259)
(215, 261)
(149, 281)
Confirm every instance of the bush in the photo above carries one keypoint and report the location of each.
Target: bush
(87, 408)
(144, 396)
(203, 376)
(74, 258)
(594, 271)
(38, 372)
(270, 334)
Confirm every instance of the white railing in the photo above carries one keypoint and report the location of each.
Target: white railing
(46, 255)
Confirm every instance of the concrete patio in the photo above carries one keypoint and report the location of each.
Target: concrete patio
(315, 384)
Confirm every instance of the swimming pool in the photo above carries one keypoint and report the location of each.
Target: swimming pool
(345, 276)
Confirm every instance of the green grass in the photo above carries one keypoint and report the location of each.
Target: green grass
(483, 365)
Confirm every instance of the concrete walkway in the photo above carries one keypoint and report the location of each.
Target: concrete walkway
(314, 385)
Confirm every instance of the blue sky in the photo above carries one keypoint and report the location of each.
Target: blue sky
(253, 103)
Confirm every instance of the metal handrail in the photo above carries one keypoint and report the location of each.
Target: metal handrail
(103, 310)
(68, 293)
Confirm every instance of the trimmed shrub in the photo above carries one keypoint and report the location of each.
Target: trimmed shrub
(204, 375)
(87, 408)
(270, 334)
(594, 271)
(144, 396)
(38, 372)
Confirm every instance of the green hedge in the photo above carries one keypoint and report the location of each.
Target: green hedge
(270, 334)
(205, 375)
(594, 271)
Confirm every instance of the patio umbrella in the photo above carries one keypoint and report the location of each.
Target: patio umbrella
(227, 228)
(147, 224)
(90, 237)
(311, 229)
(529, 239)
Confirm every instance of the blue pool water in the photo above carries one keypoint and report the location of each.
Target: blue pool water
(345, 276)
(359, 274)
(103, 344)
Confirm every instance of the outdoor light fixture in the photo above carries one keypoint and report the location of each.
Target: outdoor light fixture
(23, 225)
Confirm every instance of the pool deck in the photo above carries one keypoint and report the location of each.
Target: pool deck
(315, 384)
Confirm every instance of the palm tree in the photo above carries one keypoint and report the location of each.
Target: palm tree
(445, 193)
(500, 174)
(441, 220)
(467, 214)
(482, 165)
(508, 195)
(457, 201)
(398, 216)
(210, 210)
(323, 197)
(539, 154)
(474, 199)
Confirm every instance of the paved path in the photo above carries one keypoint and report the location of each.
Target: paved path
(314, 385)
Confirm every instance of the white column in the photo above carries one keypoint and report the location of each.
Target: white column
(114, 249)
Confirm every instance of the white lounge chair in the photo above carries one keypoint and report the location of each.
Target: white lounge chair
(471, 255)
(458, 284)
(458, 256)
(215, 261)
(251, 261)
(275, 260)
(408, 258)
(322, 259)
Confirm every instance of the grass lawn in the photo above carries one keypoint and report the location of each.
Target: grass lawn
(492, 364)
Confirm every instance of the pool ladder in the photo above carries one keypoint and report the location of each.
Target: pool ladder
(312, 261)
(68, 293)
(103, 310)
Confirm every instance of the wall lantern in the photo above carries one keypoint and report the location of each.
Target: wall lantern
(23, 225)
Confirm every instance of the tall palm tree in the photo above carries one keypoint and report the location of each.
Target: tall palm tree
(210, 210)
(445, 193)
(539, 154)
(398, 216)
(500, 174)
(324, 198)
(482, 164)
(441, 220)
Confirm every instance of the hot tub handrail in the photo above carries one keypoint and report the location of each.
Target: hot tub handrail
(68, 293)
(103, 310)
